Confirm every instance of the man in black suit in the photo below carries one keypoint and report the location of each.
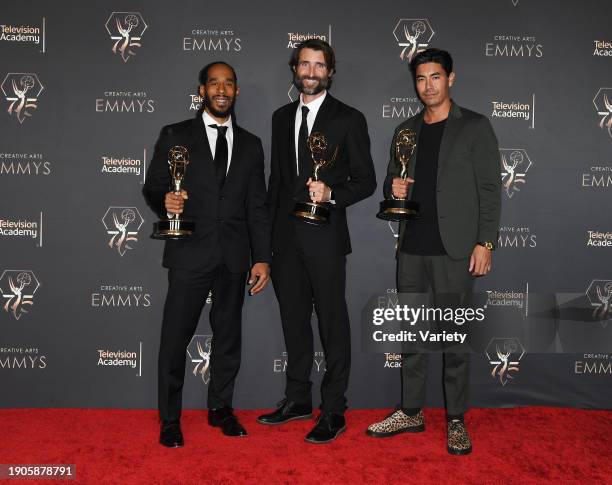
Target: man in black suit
(454, 175)
(224, 194)
(309, 262)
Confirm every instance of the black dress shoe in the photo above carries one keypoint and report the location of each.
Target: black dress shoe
(170, 435)
(225, 419)
(329, 426)
(286, 411)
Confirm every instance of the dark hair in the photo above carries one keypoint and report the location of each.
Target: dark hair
(317, 45)
(432, 55)
(203, 76)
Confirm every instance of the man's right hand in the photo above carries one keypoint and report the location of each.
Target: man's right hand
(400, 187)
(175, 202)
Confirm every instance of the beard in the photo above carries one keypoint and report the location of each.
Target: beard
(323, 84)
(215, 112)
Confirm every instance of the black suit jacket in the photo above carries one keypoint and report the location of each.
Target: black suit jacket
(234, 217)
(351, 177)
(469, 180)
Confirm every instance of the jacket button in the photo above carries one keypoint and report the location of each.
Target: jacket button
(222, 197)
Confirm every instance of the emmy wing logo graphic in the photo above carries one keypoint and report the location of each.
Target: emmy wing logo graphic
(21, 90)
(126, 29)
(199, 351)
(18, 288)
(122, 225)
(413, 36)
(599, 294)
(603, 105)
(504, 355)
(515, 164)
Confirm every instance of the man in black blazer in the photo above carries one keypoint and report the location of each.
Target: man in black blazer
(454, 175)
(224, 194)
(309, 262)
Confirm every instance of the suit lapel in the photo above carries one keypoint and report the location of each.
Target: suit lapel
(290, 124)
(324, 114)
(451, 131)
(237, 146)
(418, 123)
(198, 141)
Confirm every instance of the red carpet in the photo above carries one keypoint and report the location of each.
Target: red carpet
(511, 446)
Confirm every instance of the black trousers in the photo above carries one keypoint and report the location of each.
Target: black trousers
(301, 279)
(187, 292)
(435, 274)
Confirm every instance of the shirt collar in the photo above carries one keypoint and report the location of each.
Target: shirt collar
(313, 106)
(209, 120)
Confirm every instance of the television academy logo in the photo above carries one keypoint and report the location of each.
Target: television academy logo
(121, 358)
(393, 361)
(24, 34)
(124, 164)
(22, 227)
(296, 38)
(602, 48)
(603, 105)
(126, 29)
(22, 358)
(122, 224)
(195, 102)
(515, 109)
(18, 288)
(212, 40)
(599, 294)
(504, 354)
(413, 36)
(24, 164)
(199, 351)
(21, 90)
(509, 298)
(515, 165)
(599, 239)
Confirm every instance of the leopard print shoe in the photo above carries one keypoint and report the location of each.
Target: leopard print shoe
(459, 442)
(397, 422)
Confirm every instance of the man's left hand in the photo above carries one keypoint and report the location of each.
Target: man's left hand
(480, 261)
(318, 191)
(260, 274)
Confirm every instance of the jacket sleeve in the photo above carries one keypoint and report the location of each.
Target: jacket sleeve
(157, 181)
(274, 180)
(362, 177)
(488, 180)
(257, 212)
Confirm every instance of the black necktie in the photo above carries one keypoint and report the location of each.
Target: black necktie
(220, 154)
(304, 161)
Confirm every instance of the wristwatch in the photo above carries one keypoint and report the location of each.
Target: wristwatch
(488, 245)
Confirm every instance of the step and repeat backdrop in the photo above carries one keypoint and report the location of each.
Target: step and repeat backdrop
(86, 88)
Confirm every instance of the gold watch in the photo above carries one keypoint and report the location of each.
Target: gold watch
(489, 245)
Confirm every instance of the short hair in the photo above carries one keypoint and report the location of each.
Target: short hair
(203, 76)
(432, 55)
(317, 45)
